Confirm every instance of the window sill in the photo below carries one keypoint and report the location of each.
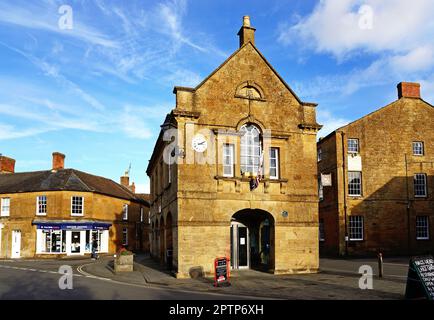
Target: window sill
(356, 240)
(422, 239)
(41, 214)
(246, 179)
(77, 215)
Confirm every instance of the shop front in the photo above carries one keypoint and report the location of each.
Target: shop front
(71, 238)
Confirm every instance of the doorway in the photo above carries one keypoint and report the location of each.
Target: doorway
(16, 244)
(240, 246)
(75, 242)
(252, 240)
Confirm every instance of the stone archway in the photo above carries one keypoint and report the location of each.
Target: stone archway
(253, 240)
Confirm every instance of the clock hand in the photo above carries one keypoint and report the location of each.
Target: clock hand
(199, 143)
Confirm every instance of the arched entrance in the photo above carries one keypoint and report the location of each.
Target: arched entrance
(252, 240)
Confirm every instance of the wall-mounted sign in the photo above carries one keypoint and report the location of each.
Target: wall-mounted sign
(420, 278)
(326, 180)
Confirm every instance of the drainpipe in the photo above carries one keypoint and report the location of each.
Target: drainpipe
(407, 207)
(344, 178)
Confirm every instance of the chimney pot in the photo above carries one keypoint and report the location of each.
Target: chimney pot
(246, 33)
(58, 161)
(246, 21)
(7, 165)
(408, 90)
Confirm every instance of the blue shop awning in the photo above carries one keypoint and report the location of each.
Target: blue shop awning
(71, 225)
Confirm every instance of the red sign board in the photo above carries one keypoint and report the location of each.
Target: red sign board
(221, 271)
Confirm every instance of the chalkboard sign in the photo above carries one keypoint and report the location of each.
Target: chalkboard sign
(221, 271)
(420, 279)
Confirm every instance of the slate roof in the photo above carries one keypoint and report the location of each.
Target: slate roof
(63, 180)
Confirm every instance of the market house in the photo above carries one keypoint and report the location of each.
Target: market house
(60, 211)
(256, 202)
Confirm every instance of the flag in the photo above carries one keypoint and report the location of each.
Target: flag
(254, 183)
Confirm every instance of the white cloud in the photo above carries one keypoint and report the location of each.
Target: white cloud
(329, 122)
(32, 17)
(399, 44)
(8, 132)
(143, 187)
(334, 27)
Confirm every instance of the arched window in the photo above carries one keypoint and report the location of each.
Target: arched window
(250, 148)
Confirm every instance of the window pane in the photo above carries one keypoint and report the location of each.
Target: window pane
(356, 227)
(354, 183)
(420, 185)
(353, 145)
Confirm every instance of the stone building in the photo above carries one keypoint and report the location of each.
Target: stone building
(377, 188)
(233, 172)
(59, 211)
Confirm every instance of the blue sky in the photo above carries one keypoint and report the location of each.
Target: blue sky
(98, 92)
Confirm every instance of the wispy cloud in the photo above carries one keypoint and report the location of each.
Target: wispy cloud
(45, 18)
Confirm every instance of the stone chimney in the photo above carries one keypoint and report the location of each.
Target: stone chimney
(408, 90)
(7, 165)
(246, 33)
(58, 161)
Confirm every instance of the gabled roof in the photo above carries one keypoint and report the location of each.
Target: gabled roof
(372, 113)
(63, 180)
(233, 55)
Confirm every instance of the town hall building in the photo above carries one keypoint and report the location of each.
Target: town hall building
(234, 174)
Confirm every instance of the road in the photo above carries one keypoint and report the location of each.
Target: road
(40, 280)
(393, 268)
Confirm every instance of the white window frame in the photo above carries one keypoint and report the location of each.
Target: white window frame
(4, 213)
(421, 148)
(141, 214)
(82, 207)
(424, 185)
(358, 145)
(360, 223)
(320, 189)
(231, 148)
(125, 233)
(251, 150)
(319, 154)
(425, 227)
(38, 213)
(275, 177)
(349, 182)
(125, 212)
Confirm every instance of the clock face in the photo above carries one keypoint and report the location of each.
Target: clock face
(199, 143)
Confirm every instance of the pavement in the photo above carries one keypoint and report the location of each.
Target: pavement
(338, 279)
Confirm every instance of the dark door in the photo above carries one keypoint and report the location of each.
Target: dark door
(242, 246)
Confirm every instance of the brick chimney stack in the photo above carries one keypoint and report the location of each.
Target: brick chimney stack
(408, 90)
(246, 33)
(7, 165)
(58, 161)
(125, 181)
